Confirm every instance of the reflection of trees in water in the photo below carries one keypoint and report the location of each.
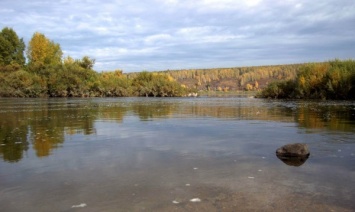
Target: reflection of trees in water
(111, 112)
(338, 118)
(202, 109)
(149, 111)
(13, 136)
(13, 141)
(242, 112)
(44, 140)
(49, 127)
(45, 125)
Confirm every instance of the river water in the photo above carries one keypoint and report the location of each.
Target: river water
(174, 154)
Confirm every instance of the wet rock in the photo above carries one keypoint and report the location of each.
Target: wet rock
(293, 154)
(293, 150)
(293, 161)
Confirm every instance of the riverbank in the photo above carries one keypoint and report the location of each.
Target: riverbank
(333, 80)
(227, 93)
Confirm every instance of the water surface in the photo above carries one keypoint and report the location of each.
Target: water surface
(157, 154)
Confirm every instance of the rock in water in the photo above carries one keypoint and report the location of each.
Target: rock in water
(293, 150)
(293, 154)
(293, 161)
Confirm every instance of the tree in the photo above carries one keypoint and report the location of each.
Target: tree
(11, 48)
(248, 87)
(157, 85)
(142, 84)
(256, 86)
(21, 84)
(87, 63)
(71, 79)
(114, 83)
(43, 52)
(329, 80)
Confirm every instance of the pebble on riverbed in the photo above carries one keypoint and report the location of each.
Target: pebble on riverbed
(82, 205)
(195, 200)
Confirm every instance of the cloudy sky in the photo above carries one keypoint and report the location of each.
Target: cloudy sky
(136, 35)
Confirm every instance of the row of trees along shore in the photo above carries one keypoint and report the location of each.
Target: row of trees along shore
(46, 73)
(329, 80)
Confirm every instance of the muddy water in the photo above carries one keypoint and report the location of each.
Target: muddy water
(152, 154)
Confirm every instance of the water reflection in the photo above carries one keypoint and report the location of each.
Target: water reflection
(147, 112)
(13, 141)
(43, 124)
(293, 161)
(333, 116)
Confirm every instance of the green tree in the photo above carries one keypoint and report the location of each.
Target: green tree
(114, 84)
(21, 84)
(86, 62)
(339, 79)
(11, 48)
(142, 84)
(72, 80)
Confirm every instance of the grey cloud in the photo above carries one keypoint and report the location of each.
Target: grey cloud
(174, 34)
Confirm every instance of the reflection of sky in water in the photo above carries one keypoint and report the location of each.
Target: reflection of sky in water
(227, 158)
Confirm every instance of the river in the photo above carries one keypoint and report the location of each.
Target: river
(175, 154)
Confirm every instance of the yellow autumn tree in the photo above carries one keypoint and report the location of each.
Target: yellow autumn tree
(43, 52)
(256, 86)
(248, 87)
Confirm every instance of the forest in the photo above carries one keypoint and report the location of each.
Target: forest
(40, 70)
(330, 80)
(252, 78)
(46, 73)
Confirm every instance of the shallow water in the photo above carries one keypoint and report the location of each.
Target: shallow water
(158, 154)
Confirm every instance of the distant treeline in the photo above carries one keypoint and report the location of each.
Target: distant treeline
(46, 73)
(330, 80)
(229, 79)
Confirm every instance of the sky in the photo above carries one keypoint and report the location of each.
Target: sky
(155, 35)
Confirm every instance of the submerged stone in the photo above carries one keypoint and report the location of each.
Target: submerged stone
(82, 205)
(293, 154)
(293, 161)
(195, 200)
(293, 150)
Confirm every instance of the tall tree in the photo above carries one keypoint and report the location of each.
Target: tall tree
(43, 52)
(11, 48)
